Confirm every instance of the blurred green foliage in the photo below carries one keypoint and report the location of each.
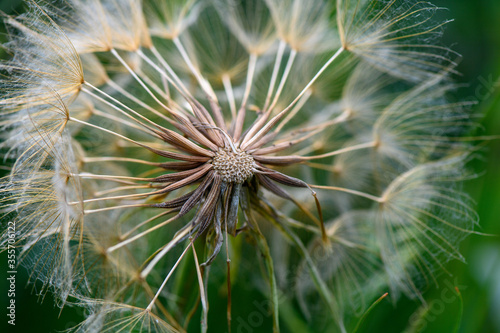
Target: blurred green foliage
(468, 301)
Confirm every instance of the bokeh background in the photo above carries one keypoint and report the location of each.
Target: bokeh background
(474, 33)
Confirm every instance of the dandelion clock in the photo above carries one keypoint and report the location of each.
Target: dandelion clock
(167, 155)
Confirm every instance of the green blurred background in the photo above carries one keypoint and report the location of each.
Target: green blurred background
(474, 33)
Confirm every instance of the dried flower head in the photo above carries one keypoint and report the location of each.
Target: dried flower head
(143, 133)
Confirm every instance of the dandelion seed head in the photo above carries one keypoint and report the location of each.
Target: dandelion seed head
(143, 131)
(233, 166)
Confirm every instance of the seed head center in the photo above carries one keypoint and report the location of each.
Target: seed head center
(233, 167)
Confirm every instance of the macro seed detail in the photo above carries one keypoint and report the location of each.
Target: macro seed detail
(233, 166)
(182, 130)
